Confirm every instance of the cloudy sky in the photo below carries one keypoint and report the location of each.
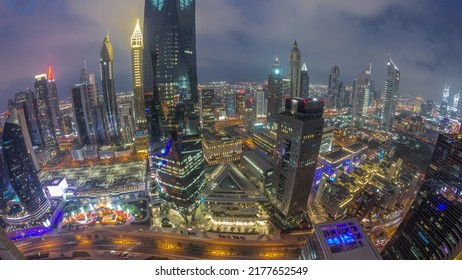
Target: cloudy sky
(237, 40)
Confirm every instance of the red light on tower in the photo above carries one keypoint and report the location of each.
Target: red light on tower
(51, 76)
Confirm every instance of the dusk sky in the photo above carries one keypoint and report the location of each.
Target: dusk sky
(238, 40)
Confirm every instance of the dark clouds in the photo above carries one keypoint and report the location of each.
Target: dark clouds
(238, 40)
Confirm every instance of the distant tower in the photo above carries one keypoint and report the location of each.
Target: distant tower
(362, 88)
(333, 87)
(389, 95)
(250, 114)
(444, 102)
(46, 127)
(107, 84)
(297, 149)
(137, 74)
(295, 71)
(455, 105)
(304, 82)
(54, 100)
(207, 117)
(6, 192)
(21, 171)
(260, 100)
(275, 92)
(432, 227)
(79, 104)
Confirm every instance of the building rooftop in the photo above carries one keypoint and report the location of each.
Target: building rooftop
(229, 184)
(336, 156)
(345, 240)
(355, 148)
(260, 159)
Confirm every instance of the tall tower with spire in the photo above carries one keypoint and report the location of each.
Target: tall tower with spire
(389, 95)
(54, 100)
(304, 82)
(362, 89)
(137, 47)
(275, 91)
(295, 71)
(108, 87)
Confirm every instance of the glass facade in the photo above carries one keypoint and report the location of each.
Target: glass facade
(107, 83)
(46, 127)
(432, 229)
(21, 171)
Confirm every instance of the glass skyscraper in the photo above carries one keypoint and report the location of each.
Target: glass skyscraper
(21, 171)
(170, 85)
(391, 92)
(432, 229)
(108, 87)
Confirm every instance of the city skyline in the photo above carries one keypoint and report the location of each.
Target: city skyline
(419, 34)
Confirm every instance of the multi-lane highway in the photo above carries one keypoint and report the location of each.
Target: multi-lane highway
(172, 246)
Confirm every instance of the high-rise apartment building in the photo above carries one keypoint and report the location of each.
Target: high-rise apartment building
(108, 87)
(137, 76)
(297, 149)
(275, 93)
(432, 228)
(295, 71)
(390, 93)
(21, 171)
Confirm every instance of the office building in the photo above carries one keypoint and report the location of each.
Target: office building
(265, 141)
(21, 171)
(275, 93)
(108, 88)
(46, 127)
(333, 87)
(207, 115)
(444, 102)
(126, 121)
(6, 192)
(222, 146)
(258, 168)
(362, 90)
(137, 47)
(260, 104)
(170, 39)
(391, 92)
(432, 228)
(250, 114)
(295, 71)
(54, 100)
(304, 82)
(79, 103)
(297, 149)
(26, 102)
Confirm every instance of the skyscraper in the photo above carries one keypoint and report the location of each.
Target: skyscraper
(432, 228)
(297, 149)
(207, 116)
(361, 89)
(250, 114)
(79, 105)
(26, 102)
(295, 71)
(137, 76)
(108, 87)
(260, 104)
(275, 92)
(6, 192)
(304, 82)
(390, 93)
(444, 102)
(333, 87)
(170, 49)
(46, 127)
(54, 100)
(21, 171)
(170, 79)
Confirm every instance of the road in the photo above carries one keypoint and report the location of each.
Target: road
(167, 245)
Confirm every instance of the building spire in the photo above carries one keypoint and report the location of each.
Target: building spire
(51, 76)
